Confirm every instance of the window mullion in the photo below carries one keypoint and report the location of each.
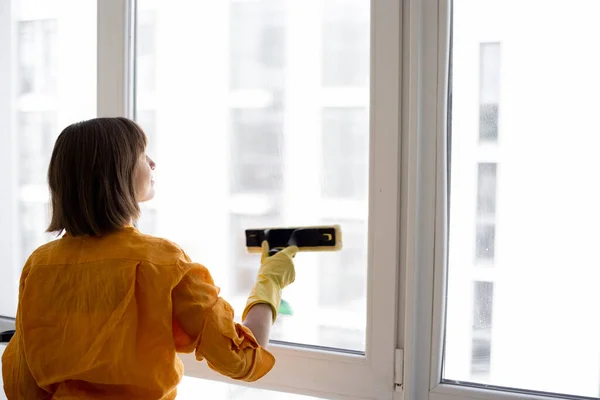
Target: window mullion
(115, 37)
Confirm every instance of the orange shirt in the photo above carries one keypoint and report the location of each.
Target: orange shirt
(104, 318)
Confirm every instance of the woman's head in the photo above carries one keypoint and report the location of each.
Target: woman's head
(98, 173)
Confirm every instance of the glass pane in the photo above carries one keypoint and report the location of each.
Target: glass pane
(523, 299)
(47, 81)
(267, 126)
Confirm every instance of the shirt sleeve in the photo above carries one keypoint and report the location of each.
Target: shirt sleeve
(204, 322)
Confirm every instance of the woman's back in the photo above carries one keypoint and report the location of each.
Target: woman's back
(96, 312)
(98, 318)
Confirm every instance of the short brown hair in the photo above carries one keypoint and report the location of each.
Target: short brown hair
(91, 176)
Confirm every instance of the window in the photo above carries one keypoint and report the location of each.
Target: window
(483, 298)
(257, 45)
(345, 153)
(348, 268)
(485, 241)
(488, 176)
(485, 232)
(37, 56)
(345, 43)
(489, 91)
(486, 190)
(146, 50)
(262, 161)
(38, 131)
(47, 81)
(33, 214)
(256, 140)
(271, 126)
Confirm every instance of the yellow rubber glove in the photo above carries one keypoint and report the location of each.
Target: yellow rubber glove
(275, 273)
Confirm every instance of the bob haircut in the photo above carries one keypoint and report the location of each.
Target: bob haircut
(91, 176)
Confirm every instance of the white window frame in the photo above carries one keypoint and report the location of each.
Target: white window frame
(8, 205)
(424, 211)
(300, 369)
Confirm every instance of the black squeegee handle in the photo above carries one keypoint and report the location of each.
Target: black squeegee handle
(291, 242)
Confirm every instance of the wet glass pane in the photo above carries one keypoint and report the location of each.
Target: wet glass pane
(258, 121)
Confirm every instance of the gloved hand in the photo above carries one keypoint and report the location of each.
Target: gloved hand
(275, 273)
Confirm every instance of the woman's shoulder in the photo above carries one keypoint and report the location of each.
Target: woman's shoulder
(154, 240)
(157, 249)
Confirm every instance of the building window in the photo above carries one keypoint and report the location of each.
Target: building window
(37, 132)
(345, 43)
(257, 45)
(34, 218)
(481, 349)
(256, 157)
(146, 51)
(37, 57)
(485, 242)
(345, 153)
(485, 232)
(489, 91)
(486, 189)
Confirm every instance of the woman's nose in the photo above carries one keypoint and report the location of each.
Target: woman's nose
(151, 163)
